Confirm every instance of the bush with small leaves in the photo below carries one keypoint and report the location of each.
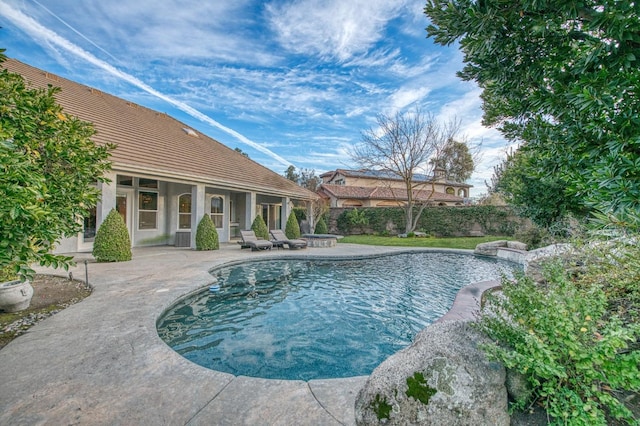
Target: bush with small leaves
(577, 356)
(292, 229)
(260, 228)
(207, 235)
(321, 227)
(112, 242)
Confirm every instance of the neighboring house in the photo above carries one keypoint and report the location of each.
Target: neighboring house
(166, 176)
(374, 188)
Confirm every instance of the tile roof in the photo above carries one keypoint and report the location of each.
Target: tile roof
(383, 193)
(386, 175)
(153, 143)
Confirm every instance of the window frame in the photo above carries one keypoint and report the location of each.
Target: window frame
(182, 214)
(142, 211)
(217, 215)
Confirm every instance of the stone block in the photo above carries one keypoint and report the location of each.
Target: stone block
(490, 248)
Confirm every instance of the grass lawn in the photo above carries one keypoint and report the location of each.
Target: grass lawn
(455, 243)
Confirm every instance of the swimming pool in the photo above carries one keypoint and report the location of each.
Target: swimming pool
(314, 319)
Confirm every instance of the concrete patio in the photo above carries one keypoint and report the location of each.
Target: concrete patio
(101, 361)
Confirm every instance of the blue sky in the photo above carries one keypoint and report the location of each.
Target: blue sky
(288, 82)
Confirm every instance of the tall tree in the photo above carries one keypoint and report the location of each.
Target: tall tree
(456, 160)
(291, 174)
(563, 77)
(48, 166)
(307, 178)
(402, 145)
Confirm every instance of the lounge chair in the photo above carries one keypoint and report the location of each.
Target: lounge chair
(249, 240)
(280, 239)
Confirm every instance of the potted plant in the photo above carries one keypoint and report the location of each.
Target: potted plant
(49, 166)
(15, 294)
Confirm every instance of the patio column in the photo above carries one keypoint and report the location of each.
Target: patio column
(286, 210)
(250, 210)
(107, 197)
(197, 210)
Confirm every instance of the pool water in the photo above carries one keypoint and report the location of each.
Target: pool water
(317, 319)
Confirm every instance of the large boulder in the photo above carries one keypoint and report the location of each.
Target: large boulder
(490, 248)
(443, 378)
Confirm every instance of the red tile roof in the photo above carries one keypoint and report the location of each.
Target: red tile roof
(381, 193)
(153, 143)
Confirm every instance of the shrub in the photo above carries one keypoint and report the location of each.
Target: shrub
(321, 227)
(534, 236)
(207, 235)
(576, 356)
(292, 229)
(260, 228)
(112, 242)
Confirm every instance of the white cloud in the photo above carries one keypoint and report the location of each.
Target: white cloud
(332, 29)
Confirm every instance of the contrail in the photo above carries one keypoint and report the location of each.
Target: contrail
(32, 27)
(74, 30)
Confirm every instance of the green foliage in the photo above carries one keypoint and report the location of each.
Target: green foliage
(575, 354)
(419, 389)
(260, 228)
(439, 221)
(534, 237)
(536, 194)
(300, 212)
(292, 228)
(112, 242)
(321, 227)
(207, 235)
(352, 219)
(49, 166)
(8, 274)
(456, 161)
(381, 407)
(562, 78)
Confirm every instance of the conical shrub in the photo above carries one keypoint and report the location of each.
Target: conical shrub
(321, 227)
(207, 235)
(292, 229)
(112, 242)
(260, 228)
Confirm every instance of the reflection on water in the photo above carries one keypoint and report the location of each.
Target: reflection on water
(311, 319)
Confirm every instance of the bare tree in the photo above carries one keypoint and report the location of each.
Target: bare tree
(402, 146)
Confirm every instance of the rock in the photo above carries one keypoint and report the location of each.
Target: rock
(518, 388)
(516, 245)
(441, 379)
(535, 259)
(490, 248)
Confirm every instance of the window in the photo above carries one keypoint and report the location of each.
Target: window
(147, 210)
(217, 211)
(148, 183)
(462, 193)
(90, 224)
(450, 190)
(184, 211)
(124, 180)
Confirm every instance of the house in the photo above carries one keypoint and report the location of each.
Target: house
(165, 175)
(376, 188)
